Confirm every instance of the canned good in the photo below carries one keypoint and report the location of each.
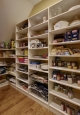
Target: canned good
(63, 106)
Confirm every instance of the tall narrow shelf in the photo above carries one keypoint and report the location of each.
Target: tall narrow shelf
(38, 31)
(22, 56)
(56, 97)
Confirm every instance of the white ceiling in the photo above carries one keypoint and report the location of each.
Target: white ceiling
(34, 2)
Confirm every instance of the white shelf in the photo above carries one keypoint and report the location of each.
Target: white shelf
(12, 73)
(38, 48)
(22, 72)
(40, 26)
(22, 63)
(22, 88)
(70, 56)
(65, 43)
(40, 36)
(40, 99)
(65, 97)
(23, 31)
(7, 57)
(4, 84)
(21, 55)
(66, 15)
(38, 59)
(4, 74)
(22, 39)
(63, 82)
(22, 47)
(20, 79)
(40, 70)
(7, 49)
(57, 107)
(65, 69)
(63, 30)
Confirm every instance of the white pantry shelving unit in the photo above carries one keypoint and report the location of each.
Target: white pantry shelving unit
(37, 30)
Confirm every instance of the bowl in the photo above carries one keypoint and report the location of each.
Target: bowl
(44, 66)
(74, 7)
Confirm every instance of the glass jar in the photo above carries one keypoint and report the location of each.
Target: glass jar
(78, 82)
(70, 95)
(70, 81)
(58, 77)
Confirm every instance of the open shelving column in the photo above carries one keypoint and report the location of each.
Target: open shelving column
(22, 38)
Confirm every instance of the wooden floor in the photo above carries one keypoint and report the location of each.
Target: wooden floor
(12, 102)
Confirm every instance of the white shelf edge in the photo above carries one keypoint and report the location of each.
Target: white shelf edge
(64, 13)
(22, 39)
(61, 95)
(37, 59)
(35, 96)
(64, 55)
(38, 36)
(63, 82)
(66, 28)
(26, 81)
(21, 88)
(38, 48)
(8, 49)
(22, 63)
(31, 27)
(22, 72)
(22, 31)
(57, 108)
(4, 84)
(67, 42)
(40, 70)
(65, 69)
(4, 74)
(12, 73)
(21, 47)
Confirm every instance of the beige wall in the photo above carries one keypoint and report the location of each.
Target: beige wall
(42, 5)
(11, 13)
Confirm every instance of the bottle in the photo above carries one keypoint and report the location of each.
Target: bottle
(44, 43)
(12, 43)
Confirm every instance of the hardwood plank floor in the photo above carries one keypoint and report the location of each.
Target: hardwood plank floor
(12, 102)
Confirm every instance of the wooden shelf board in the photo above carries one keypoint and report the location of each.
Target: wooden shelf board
(40, 26)
(20, 79)
(12, 73)
(63, 82)
(65, 97)
(22, 88)
(57, 107)
(21, 47)
(70, 56)
(40, 36)
(38, 48)
(23, 31)
(66, 15)
(63, 30)
(7, 49)
(38, 59)
(65, 69)
(4, 84)
(22, 39)
(40, 99)
(4, 74)
(67, 42)
(38, 70)
(22, 63)
(22, 72)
